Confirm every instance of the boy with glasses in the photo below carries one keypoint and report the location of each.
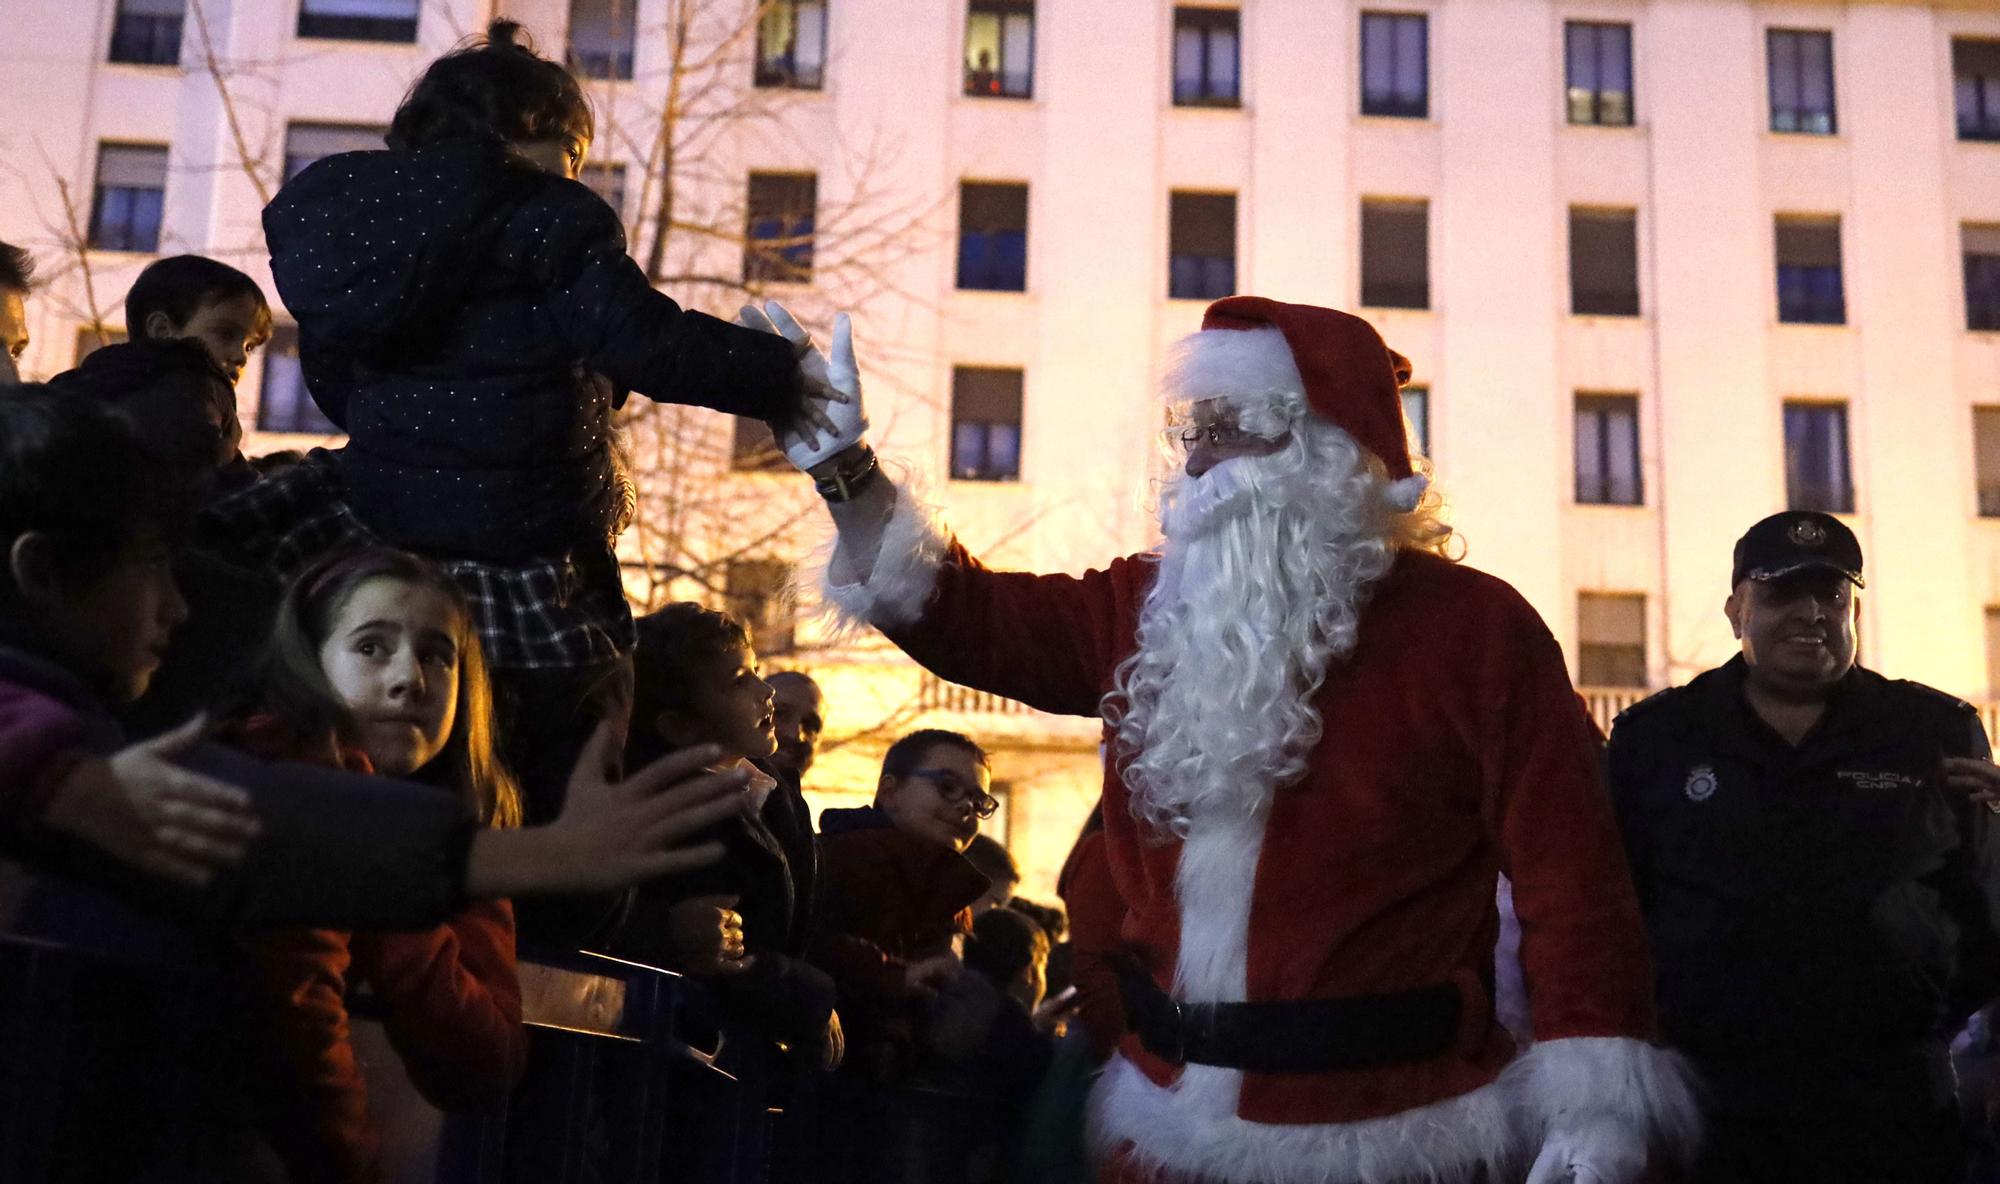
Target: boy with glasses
(896, 891)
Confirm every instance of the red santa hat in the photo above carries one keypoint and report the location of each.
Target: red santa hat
(1251, 348)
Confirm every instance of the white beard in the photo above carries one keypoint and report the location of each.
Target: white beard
(1261, 577)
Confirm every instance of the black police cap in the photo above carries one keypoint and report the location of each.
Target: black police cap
(1796, 540)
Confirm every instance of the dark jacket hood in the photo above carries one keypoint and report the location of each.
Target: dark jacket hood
(377, 248)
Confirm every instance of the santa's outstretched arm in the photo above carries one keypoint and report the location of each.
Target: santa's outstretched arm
(1045, 640)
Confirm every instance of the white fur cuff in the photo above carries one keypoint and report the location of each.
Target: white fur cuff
(911, 550)
(1649, 1087)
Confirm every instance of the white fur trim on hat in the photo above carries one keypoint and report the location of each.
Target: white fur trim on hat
(906, 564)
(1405, 492)
(1240, 365)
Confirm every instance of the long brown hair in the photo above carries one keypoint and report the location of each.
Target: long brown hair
(294, 686)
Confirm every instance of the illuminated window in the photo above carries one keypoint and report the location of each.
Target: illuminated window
(1598, 61)
(1000, 49)
(791, 45)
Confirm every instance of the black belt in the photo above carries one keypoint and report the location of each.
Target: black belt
(1298, 1036)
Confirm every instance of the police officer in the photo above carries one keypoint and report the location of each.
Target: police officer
(1817, 867)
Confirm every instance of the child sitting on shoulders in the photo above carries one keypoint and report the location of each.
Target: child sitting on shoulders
(374, 666)
(744, 924)
(474, 346)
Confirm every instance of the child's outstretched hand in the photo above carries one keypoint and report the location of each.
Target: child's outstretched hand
(612, 834)
(143, 810)
(707, 932)
(832, 419)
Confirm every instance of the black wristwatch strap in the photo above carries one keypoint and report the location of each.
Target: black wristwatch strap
(845, 484)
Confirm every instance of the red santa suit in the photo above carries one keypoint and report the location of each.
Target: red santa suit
(1452, 751)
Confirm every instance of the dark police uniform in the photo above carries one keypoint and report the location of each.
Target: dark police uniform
(1822, 918)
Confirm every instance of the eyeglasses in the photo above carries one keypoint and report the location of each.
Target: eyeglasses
(953, 788)
(1187, 437)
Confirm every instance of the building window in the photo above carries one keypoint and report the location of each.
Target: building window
(1395, 64)
(1201, 256)
(148, 32)
(283, 403)
(791, 44)
(1417, 414)
(1206, 58)
(606, 180)
(602, 36)
(1611, 640)
(131, 189)
(1809, 287)
(1816, 472)
(1801, 68)
(359, 20)
(1598, 61)
(1607, 451)
(985, 424)
(308, 142)
(753, 449)
(1975, 69)
(757, 593)
(1603, 263)
(778, 242)
(1993, 653)
(1986, 458)
(89, 340)
(1000, 48)
(1981, 245)
(1395, 253)
(993, 236)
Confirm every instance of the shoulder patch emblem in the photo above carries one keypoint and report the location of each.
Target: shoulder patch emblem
(1701, 783)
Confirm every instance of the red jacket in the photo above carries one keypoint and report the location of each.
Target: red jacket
(451, 1003)
(41, 740)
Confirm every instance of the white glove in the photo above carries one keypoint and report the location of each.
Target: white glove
(1592, 1147)
(833, 383)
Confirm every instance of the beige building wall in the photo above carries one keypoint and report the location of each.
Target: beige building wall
(1101, 145)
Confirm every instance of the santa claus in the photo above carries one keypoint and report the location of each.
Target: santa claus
(1325, 742)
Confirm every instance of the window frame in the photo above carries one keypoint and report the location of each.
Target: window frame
(1985, 127)
(1596, 92)
(1395, 105)
(762, 265)
(1605, 302)
(101, 193)
(1985, 484)
(1798, 113)
(765, 75)
(1420, 301)
(1601, 407)
(1419, 425)
(1587, 650)
(964, 271)
(307, 419)
(1207, 21)
(1805, 309)
(311, 26)
(617, 63)
(1796, 491)
(149, 30)
(1208, 284)
(1001, 11)
(987, 470)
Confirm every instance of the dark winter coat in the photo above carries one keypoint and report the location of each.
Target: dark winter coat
(456, 311)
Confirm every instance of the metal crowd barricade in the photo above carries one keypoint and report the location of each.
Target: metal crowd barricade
(109, 1071)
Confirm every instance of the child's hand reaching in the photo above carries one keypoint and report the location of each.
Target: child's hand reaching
(921, 979)
(612, 834)
(142, 809)
(707, 931)
(832, 420)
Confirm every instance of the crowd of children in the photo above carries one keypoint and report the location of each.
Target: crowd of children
(304, 726)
